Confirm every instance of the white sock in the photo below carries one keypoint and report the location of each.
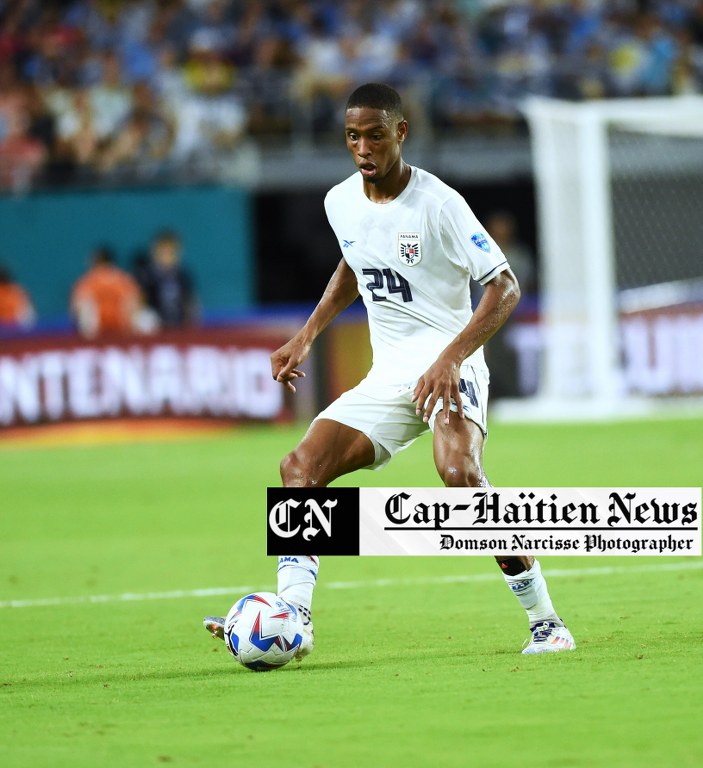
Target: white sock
(530, 588)
(296, 581)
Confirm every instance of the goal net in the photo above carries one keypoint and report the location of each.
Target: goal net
(620, 221)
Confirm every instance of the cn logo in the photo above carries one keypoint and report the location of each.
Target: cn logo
(281, 518)
(299, 521)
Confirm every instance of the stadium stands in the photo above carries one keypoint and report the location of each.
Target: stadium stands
(150, 90)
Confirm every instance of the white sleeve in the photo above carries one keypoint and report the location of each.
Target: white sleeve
(467, 243)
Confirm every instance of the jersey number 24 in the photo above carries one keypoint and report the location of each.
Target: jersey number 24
(390, 280)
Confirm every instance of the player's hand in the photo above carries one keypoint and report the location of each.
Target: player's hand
(285, 362)
(440, 380)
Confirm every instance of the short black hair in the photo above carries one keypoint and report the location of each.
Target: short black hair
(167, 236)
(103, 254)
(377, 96)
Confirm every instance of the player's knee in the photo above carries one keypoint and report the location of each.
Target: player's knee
(461, 475)
(296, 469)
(292, 471)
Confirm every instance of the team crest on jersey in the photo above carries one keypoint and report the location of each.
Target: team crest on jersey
(409, 251)
(481, 241)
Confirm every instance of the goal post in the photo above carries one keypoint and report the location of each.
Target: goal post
(580, 151)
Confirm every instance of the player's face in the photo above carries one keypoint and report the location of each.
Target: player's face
(374, 139)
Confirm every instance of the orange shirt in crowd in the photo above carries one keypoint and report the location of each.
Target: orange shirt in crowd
(105, 300)
(15, 306)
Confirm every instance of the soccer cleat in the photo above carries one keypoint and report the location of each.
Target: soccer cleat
(308, 632)
(549, 637)
(215, 625)
(308, 642)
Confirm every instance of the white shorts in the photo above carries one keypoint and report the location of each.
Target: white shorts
(386, 414)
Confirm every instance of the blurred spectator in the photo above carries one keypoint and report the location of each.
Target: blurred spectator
(695, 24)
(169, 80)
(142, 143)
(642, 58)
(56, 49)
(141, 46)
(466, 100)
(12, 41)
(207, 69)
(22, 156)
(586, 76)
(210, 120)
(661, 52)
(77, 143)
(324, 74)
(110, 99)
(267, 87)
(167, 286)
(502, 226)
(12, 96)
(686, 77)
(214, 29)
(581, 22)
(376, 50)
(16, 310)
(105, 300)
(42, 125)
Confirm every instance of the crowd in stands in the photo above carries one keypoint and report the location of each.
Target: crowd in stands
(116, 89)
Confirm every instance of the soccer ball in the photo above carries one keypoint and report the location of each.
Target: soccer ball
(263, 631)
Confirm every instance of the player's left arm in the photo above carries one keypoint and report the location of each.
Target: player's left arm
(441, 379)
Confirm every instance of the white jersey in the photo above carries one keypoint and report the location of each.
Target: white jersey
(413, 258)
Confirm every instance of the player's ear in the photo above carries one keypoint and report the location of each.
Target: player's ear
(402, 130)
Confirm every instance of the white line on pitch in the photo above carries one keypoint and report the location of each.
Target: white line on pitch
(125, 597)
(128, 597)
(557, 572)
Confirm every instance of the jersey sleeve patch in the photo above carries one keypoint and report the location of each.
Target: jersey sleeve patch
(480, 240)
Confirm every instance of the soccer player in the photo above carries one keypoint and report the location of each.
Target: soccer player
(410, 245)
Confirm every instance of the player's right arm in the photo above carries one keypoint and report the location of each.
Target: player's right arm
(339, 294)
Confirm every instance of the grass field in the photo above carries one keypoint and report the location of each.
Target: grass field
(421, 669)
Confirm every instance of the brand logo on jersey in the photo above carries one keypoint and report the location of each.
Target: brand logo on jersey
(348, 243)
(409, 252)
(481, 241)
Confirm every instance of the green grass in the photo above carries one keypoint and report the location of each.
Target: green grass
(407, 674)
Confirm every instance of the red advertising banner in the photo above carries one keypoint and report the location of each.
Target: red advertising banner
(199, 373)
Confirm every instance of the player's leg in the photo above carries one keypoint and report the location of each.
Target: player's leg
(523, 575)
(458, 455)
(328, 450)
(458, 452)
(363, 428)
